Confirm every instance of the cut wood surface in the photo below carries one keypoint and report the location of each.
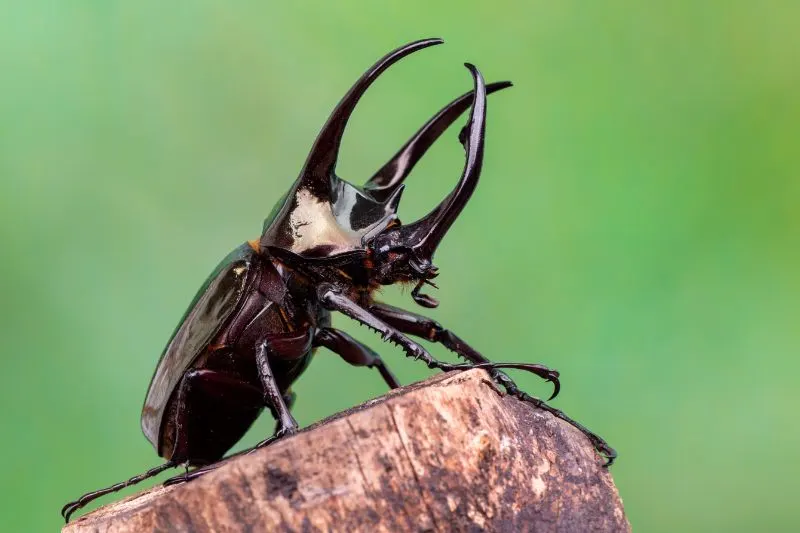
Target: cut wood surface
(449, 454)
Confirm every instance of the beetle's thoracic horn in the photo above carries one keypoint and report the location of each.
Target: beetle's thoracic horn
(392, 174)
(321, 162)
(425, 234)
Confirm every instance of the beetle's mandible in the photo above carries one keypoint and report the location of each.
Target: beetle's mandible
(327, 246)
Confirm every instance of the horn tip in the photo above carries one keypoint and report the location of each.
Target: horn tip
(476, 74)
(498, 86)
(424, 43)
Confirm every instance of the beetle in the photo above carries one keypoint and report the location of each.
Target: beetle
(326, 247)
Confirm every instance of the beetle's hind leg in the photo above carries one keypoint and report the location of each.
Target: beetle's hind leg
(71, 507)
(196, 473)
(354, 352)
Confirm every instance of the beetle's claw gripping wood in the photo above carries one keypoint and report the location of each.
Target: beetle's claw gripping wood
(282, 433)
(599, 444)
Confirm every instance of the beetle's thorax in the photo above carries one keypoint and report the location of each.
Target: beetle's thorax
(314, 223)
(314, 227)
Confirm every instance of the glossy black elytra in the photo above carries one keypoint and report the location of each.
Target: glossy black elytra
(251, 329)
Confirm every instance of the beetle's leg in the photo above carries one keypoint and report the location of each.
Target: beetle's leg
(335, 301)
(286, 347)
(289, 398)
(286, 424)
(354, 352)
(420, 326)
(71, 507)
(427, 328)
(279, 347)
(598, 442)
(196, 473)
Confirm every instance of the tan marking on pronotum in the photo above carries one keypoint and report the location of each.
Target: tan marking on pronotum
(313, 224)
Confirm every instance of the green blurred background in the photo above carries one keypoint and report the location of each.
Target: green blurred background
(636, 227)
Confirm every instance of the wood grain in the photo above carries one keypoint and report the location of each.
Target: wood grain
(448, 454)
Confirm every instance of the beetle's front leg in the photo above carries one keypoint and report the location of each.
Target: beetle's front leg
(334, 300)
(427, 328)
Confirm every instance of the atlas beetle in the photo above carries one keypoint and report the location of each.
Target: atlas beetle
(326, 246)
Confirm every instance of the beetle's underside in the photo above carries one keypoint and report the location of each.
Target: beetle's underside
(327, 247)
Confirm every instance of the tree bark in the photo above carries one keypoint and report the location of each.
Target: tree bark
(448, 454)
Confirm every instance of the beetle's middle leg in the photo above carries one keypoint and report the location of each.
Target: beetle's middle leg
(286, 347)
(354, 352)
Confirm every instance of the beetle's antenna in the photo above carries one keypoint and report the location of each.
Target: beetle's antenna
(423, 299)
(321, 162)
(71, 507)
(396, 170)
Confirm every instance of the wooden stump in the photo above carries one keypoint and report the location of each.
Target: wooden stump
(448, 454)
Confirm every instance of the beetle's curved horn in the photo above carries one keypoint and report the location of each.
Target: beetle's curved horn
(392, 174)
(321, 161)
(425, 234)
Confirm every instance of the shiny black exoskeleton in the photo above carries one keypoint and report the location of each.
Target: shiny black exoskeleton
(327, 246)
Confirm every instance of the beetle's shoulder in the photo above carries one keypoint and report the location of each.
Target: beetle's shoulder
(210, 309)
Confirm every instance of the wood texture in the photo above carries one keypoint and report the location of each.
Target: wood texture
(448, 454)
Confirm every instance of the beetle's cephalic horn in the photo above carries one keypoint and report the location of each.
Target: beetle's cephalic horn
(321, 162)
(392, 174)
(424, 235)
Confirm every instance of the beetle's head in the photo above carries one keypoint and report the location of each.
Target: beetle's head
(405, 252)
(323, 216)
